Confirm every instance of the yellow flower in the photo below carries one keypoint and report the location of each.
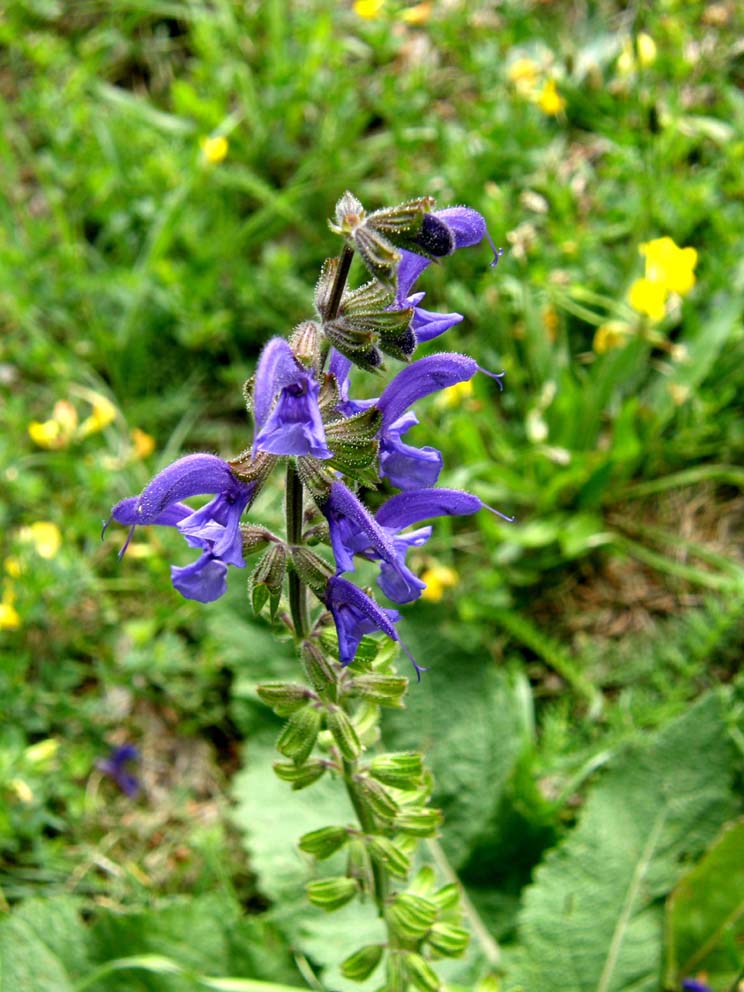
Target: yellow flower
(646, 47)
(22, 790)
(9, 619)
(144, 444)
(549, 99)
(416, 15)
(12, 566)
(59, 430)
(214, 149)
(104, 413)
(45, 537)
(437, 579)
(41, 753)
(613, 334)
(453, 396)
(523, 73)
(368, 9)
(648, 297)
(670, 266)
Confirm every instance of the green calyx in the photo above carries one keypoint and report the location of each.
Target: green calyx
(300, 732)
(331, 893)
(360, 965)
(324, 842)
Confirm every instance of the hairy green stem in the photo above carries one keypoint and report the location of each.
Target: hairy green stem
(297, 592)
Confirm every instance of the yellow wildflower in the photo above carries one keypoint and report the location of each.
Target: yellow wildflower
(416, 15)
(41, 753)
(549, 99)
(45, 537)
(12, 566)
(104, 413)
(144, 444)
(214, 149)
(646, 47)
(648, 297)
(59, 430)
(368, 9)
(523, 73)
(613, 334)
(670, 266)
(453, 396)
(437, 579)
(9, 619)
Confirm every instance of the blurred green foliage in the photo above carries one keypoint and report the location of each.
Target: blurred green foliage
(138, 281)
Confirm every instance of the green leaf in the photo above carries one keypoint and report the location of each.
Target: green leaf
(471, 727)
(705, 914)
(591, 920)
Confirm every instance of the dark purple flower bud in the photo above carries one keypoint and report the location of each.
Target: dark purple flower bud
(215, 528)
(694, 985)
(292, 425)
(115, 767)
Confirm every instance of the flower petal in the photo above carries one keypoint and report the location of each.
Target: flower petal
(277, 366)
(415, 505)
(427, 375)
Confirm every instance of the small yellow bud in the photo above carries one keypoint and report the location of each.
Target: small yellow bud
(104, 413)
(22, 790)
(46, 433)
(144, 444)
(550, 100)
(12, 566)
(41, 753)
(646, 47)
(523, 73)
(613, 334)
(214, 150)
(369, 9)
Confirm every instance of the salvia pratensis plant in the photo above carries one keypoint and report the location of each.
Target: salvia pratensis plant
(334, 450)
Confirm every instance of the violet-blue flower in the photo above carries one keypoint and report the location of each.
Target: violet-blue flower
(115, 766)
(215, 528)
(285, 405)
(356, 614)
(466, 228)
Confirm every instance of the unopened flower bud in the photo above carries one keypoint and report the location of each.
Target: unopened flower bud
(360, 965)
(411, 915)
(358, 344)
(421, 974)
(320, 670)
(254, 538)
(315, 477)
(312, 569)
(423, 881)
(358, 865)
(447, 898)
(448, 940)
(305, 343)
(402, 219)
(344, 734)
(387, 853)
(324, 842)
(284, 697)
(324, 286)
(364, 426)
(418, 821)
(401, 771)
(331, 893)
(376, 797)
(267, 579)
(300, 776)
(300, 732)
(348, 215)
(387, 690)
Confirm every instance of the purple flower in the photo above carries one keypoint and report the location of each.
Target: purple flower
(352, 528)
(215, 528)
(356, 614)
(292, 425)
(693, 985)
(405, 466)
(115, 767)
(466, 228)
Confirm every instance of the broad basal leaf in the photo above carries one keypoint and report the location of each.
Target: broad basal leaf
(705, 915)
(592, 920)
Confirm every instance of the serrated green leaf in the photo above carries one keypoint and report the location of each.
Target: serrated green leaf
(592, 916)
(705, 915)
